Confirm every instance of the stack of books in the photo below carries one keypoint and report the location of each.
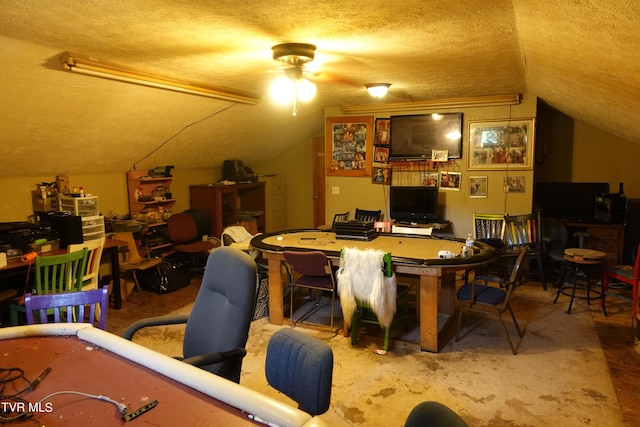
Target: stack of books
(355, 230)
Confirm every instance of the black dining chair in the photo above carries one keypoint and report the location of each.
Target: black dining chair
(368, 215)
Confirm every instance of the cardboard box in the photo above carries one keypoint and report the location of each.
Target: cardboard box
(62, 181)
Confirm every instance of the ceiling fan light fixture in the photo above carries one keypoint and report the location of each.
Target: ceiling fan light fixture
(378, 90)
(282, 91)
(305, 89)
(296, 54)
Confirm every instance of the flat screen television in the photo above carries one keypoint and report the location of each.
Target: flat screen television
(413, 204)
(574, 201)
(414, 137)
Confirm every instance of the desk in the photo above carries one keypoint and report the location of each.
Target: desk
(110, 249)
(411, 254)
(87, 359)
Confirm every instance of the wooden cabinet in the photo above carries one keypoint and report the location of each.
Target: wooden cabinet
(608, 238)
(275, 202)
(230, 204)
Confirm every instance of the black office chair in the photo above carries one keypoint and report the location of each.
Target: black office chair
(218, 326)
(368, 216)
(301, 367)
(554, 241)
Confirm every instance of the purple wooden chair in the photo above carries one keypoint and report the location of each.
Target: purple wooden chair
(69, 305)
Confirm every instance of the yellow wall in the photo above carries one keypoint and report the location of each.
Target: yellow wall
(296, 167)
(600, 157)
(110, 188)
(597, 156)
(456, 206)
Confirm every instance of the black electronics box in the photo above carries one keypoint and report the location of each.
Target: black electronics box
(611, 209)
(235, 170)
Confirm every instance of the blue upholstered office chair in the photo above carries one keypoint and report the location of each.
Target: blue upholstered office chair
(301, 367)
(218, 326)
(433, 414)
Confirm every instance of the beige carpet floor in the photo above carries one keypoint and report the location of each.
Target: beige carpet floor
(559, 377)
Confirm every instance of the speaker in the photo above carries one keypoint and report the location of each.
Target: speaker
(68, 227)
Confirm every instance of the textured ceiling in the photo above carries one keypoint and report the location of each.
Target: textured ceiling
(579, 56)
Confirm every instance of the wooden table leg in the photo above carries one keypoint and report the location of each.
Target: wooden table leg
(276, 307)
(437, 294)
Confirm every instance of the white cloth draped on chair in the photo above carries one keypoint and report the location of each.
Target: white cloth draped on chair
(361, 277)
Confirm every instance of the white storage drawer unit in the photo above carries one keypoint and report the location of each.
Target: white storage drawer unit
(92, 227)
(275, 202)
(81, 206)
(87, 209)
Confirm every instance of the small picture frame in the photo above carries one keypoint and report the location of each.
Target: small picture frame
(450, 181)
(478, 187)
(383, 132)
(381, 174)
(513, 184)
(381, 154)
(430, 179)
(439, 155)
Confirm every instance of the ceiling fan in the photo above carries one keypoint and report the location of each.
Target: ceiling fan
(294, 56)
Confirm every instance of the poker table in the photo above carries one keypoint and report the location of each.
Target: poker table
(77, 358)
(411, 254)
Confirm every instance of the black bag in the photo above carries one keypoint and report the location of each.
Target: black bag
(171, 278)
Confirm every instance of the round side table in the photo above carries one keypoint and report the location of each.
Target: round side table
(581, 259)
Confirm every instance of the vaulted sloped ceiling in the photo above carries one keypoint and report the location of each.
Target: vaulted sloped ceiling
(579, 56)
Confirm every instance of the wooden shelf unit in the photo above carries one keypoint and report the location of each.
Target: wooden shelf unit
(139, 181)
(230, 204)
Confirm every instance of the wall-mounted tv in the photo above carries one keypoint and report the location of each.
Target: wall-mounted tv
(415, 136)
(413, 204)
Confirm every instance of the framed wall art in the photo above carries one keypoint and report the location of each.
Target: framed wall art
(381, 154)
(430, 179)
(478, 187)
(450, 181)
(381, 174)
(501, 144)
(383, 131)
(349, 142)
(513, 184)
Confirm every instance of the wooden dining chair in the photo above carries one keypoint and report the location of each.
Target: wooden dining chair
(94, 247)
(524, 231)
(69, 307)
(133, 262)
(55, 274)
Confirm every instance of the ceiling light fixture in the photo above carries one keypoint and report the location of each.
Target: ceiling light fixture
(84, 65)
(436, 104)
(378, 90)
(293, 87)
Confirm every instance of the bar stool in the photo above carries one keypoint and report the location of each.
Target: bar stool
(581, 259)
